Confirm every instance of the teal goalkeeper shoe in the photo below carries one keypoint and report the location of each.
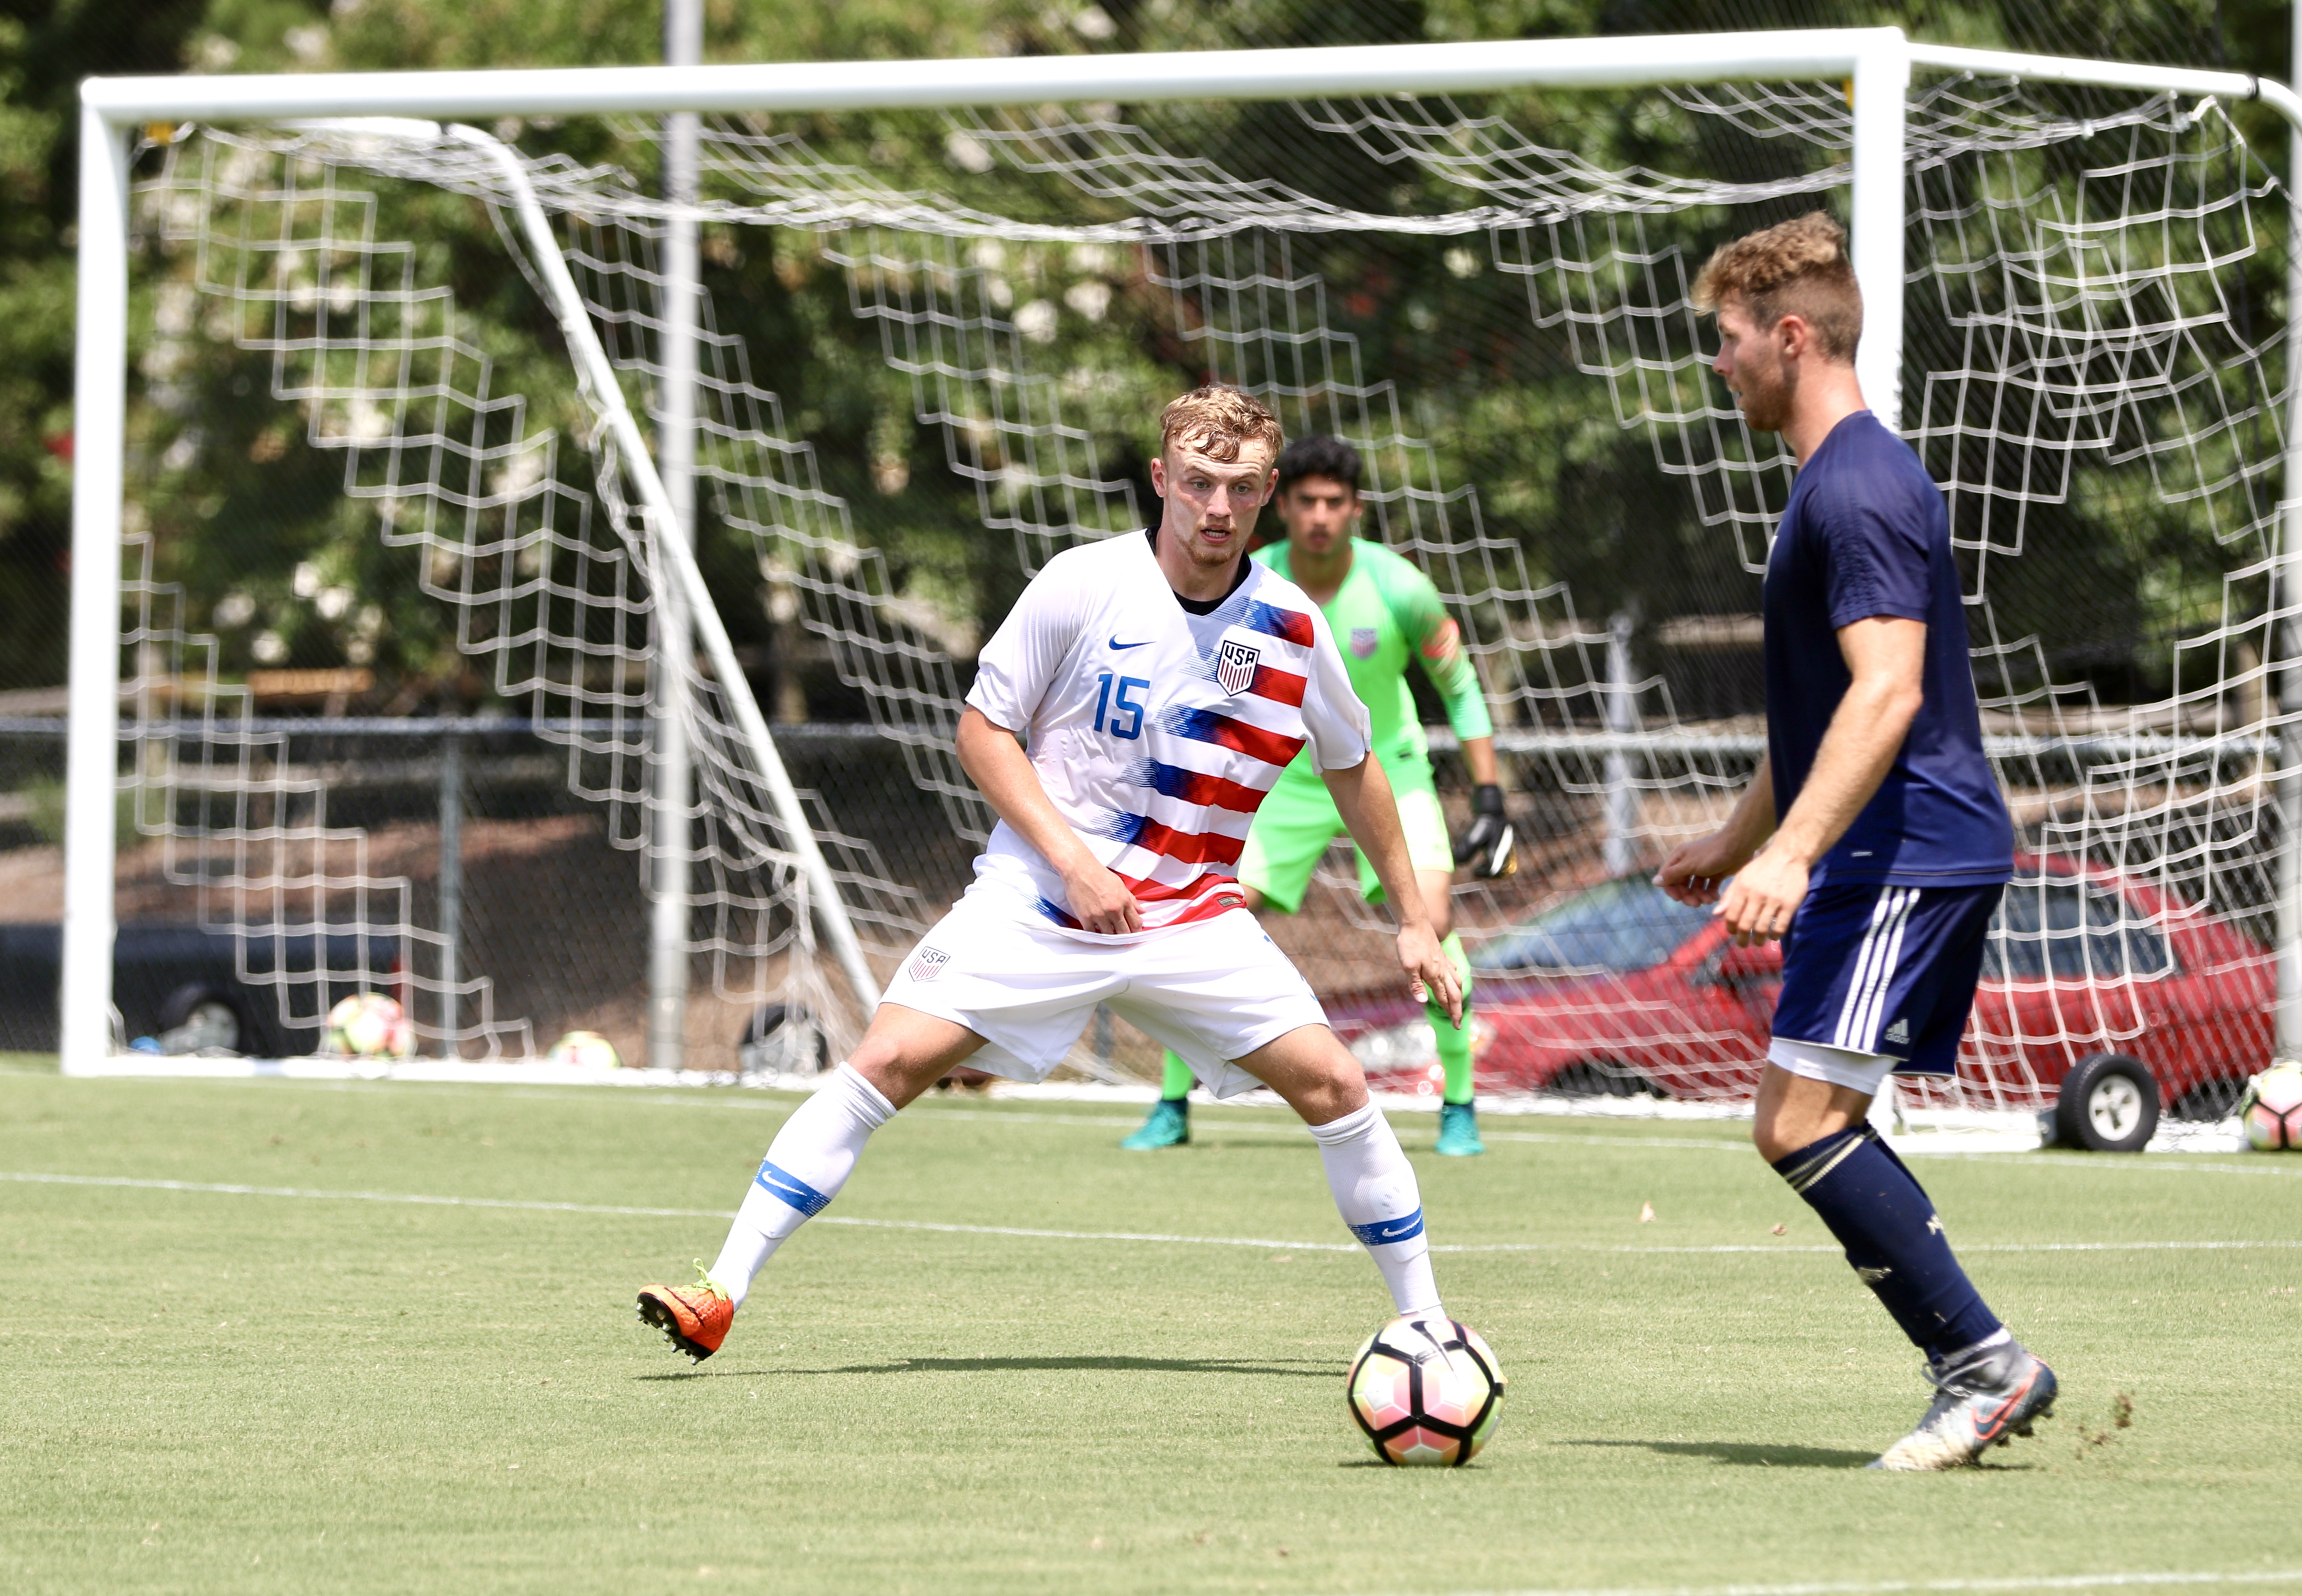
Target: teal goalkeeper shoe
(1170, 1126)
(1459, 1132)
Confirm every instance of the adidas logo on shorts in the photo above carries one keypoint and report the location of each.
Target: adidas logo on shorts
(1899, 1031)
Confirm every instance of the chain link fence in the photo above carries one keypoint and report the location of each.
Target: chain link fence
(529, 894)
(531, 897)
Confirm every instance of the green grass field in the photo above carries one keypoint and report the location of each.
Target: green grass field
(219, 1391)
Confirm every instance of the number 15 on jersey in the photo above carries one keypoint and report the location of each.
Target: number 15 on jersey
(1118, 704)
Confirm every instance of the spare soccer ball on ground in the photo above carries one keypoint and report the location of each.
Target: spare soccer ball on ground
(369, 1025)
(1426, 1392)
(588, 1048)
(2272, 1109)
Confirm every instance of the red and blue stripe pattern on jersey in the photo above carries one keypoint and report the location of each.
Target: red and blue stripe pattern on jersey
(1212, 750)
(1192, 847)
(1218, 893)
(1293, 626)
(1197, 786)
(1280, 687)
(1206, 725)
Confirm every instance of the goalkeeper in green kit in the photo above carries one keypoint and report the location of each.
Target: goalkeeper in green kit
(1384, 612)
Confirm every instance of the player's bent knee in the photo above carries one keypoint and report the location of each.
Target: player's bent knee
(1767, 1140)
(1778, 1129)
(905, 1051)
(1318, 1076)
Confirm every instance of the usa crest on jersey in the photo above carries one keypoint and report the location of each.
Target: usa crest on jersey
(928, 963)
(1365, 641)
(1235, 666)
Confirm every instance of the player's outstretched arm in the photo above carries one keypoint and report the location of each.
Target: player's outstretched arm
(1363, 797)
(1002, 772)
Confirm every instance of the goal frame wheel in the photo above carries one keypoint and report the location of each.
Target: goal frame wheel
(2108, 1104)
(198, 999)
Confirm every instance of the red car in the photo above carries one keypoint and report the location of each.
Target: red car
(1618, 989)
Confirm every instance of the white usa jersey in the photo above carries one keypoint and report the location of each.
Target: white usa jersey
(1156, 732)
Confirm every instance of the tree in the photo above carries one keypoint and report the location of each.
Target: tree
(46, 47)
(1504, 409)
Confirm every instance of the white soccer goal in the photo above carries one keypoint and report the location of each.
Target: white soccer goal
(2076, 308)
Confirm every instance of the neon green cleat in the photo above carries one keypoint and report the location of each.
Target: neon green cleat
(1170, 1126)
(1459, 1132)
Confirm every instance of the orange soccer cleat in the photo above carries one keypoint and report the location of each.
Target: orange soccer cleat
(693, 1318)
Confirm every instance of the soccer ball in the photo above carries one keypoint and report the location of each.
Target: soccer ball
(369, 1025)
(1426, 1392)
(588, 1048)
(2272, 1109)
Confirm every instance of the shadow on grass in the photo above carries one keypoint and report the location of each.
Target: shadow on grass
(1746, 1454)
(1306, 1369)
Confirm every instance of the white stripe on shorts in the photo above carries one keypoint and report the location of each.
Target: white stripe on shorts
(1874, 969)
(1876, 1017)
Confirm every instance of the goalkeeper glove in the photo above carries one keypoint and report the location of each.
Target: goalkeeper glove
(1488, 848)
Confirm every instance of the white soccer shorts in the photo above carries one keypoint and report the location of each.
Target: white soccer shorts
(1864, 1073)
(1212, 991)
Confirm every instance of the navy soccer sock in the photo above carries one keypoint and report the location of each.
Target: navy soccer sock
(1886, 1222)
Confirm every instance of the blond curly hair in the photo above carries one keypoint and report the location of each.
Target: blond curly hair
(1218, 421)
(1794, 268)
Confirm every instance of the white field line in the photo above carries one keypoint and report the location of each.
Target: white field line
(1919, 1587)
(127, 1183)
(2175, 1164)
(929, 1109)
(1252, 1128)
(2158, 1164)
(221, 1188)
(2162, 1164)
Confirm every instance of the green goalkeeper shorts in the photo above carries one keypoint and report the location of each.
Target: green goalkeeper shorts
(1297, 821)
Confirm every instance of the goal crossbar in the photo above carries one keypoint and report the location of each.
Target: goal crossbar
(1875, 63)
(1621, 63)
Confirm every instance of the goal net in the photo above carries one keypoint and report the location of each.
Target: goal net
(933, 348)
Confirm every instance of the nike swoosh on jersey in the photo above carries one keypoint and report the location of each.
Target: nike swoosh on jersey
(1116, 644)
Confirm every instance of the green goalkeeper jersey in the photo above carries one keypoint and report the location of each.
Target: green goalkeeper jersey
(1386, 612)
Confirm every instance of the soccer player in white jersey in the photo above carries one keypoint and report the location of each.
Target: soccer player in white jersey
(1163, 683)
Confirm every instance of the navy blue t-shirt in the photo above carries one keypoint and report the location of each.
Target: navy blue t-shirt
(1865, 534)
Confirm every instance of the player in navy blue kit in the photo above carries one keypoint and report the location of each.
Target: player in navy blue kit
(1873, 841)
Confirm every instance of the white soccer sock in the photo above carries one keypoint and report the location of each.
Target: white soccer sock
(806, 1164)
(1375, 1192)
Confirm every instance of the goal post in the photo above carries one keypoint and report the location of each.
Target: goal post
(1873, 69)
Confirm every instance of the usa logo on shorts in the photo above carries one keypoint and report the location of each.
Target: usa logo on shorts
(1235, 668)
(1365, 641)
(928, 963)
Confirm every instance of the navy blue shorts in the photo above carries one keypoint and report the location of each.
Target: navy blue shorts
(1885, 970)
